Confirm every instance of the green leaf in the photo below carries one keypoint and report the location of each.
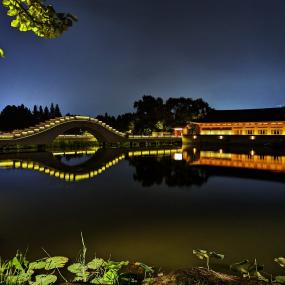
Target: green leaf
(55, 262)
(240, 267)
(110, 277)
(146, 268)
(280, 279)
(216, 255)
(44, 279)
(80, 270)
(83, 276)
(18, 279)
(1, 53)
(40, 264)
(116, 265)
(246, 268)
(15, 23)
(201, 253)
(259, 277)
(280, 261)
(17, 264)
(96, 263)
(76, 268)
(6, 2)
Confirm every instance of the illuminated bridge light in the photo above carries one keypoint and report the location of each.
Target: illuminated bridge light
(7, 163)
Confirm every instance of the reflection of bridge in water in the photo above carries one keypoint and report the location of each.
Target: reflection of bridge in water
(46, 132)
(50, 163)
(195, 163)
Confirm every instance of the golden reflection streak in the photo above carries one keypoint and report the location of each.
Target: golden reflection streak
(71, 177)
(248, 161)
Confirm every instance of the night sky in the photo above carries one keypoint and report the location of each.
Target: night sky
(229, 52)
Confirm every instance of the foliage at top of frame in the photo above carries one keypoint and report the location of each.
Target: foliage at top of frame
(33, 15)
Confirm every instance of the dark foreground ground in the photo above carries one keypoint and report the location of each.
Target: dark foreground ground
(197, 276)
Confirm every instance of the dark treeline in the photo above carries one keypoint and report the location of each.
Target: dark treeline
(153, 114)
(150, 114)
(20, 117)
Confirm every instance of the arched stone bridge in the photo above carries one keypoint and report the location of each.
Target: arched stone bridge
(46, 132)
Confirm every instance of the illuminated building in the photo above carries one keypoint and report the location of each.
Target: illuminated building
(238, 126)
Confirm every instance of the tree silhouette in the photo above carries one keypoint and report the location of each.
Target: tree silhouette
(19, 117)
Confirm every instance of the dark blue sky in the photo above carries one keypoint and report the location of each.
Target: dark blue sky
(229, 52)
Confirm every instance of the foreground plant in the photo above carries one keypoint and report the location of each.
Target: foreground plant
(99, 271)
(249, 269)
(204, 254)
(281, 262)
(20, 271)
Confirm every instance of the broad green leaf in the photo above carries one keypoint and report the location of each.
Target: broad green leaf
(280, 279)
(1, 53)
(280, 261)
(76, 268)
(40, 264)
(96, 263)
(80, 270)
(44, 279)
(110, 277)
(55, 262)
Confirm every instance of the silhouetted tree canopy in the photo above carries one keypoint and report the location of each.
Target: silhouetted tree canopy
(20, 117)
(153, 114)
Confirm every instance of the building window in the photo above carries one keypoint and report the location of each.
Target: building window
(250, 132)
(276, 132)
(262, 132)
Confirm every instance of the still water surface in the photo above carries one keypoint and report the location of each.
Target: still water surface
(153, 206)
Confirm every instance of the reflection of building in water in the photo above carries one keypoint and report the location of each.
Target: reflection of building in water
(248, 161)
(260, 125)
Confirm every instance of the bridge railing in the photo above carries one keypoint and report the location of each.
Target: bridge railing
(151, 137)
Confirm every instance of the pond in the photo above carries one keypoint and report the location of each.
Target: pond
(154, 206)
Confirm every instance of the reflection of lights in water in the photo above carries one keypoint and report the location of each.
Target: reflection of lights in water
(261, 162)
(177, 156)
(221, 137)
(220, 151)
(194, 150)
(194, 137)
(252, 137)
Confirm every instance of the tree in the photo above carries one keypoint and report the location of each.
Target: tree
(52, 111)
(35, 16)
(149, 111)
(57, 112)
(46, 115)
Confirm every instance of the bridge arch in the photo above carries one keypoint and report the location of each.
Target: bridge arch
(46, 132)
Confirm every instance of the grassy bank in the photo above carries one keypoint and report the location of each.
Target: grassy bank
(61, 270)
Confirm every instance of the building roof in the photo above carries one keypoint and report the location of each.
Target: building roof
(245, 115)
